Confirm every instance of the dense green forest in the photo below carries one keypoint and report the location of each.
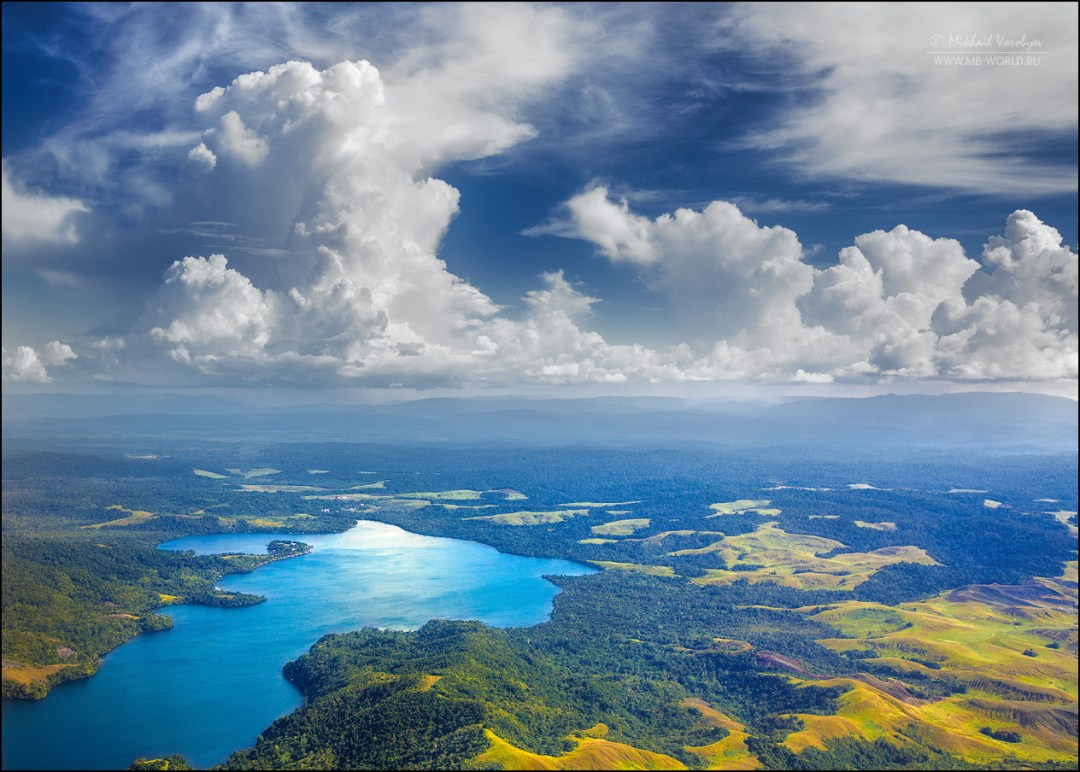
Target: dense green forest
(69, 602)
(621, 650)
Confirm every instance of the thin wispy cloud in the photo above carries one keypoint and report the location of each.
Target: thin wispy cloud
(879, 102)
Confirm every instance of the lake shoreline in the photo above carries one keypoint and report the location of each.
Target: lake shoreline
(40, 688)
(373, 576)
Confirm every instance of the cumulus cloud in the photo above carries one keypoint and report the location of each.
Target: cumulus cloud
(882, 293)
(25, 365)
(553, 345)
(620, 235)
(57, 353)
(239, 141)
(208, 310)
(35, 217)
(364, 294)
(1020, 317)
(898, 303)
(733, 279)
(201, 156)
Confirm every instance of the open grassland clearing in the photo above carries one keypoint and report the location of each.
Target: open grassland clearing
(885, 526)
(135, 516)
(532, 518)
(458, 495)
(729, 645)
(589, 753)
(742, 506)
(262, 488)
(621, 527)
(24, 675)
(384, 502)
(259, 472)
(347, 497)
(657, 538)
(951, 724)
(598, 504)
(770, 554)
(1063, 516)
(265, 523)
(1002, 644)
(729, 753)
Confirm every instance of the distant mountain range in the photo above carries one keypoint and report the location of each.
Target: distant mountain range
(1008, 421)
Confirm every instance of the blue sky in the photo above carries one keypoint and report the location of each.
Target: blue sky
(615, 198)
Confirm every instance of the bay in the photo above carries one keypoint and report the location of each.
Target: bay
(211, 684)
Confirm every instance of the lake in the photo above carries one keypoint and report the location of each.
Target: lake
(211, 684)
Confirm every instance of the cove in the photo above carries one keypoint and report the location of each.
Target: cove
(211, 684)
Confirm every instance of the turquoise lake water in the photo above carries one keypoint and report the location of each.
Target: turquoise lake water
(213, 683)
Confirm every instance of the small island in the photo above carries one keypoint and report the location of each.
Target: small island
(279, 549)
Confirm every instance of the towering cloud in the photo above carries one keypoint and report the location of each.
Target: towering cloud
(318, 156)
(334, 167)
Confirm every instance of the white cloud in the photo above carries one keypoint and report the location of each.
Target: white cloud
(202, 156)
(208, 311)
(373, 303)
(457, 96)
(875, 105)
(57, 353)
(1021, 319)
(897, 303)
(882, 294)
(25, 365)
(239, 141)
(365, 295)
(1032, 266)
(620, 235)
(35, 217)
(732, 278)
